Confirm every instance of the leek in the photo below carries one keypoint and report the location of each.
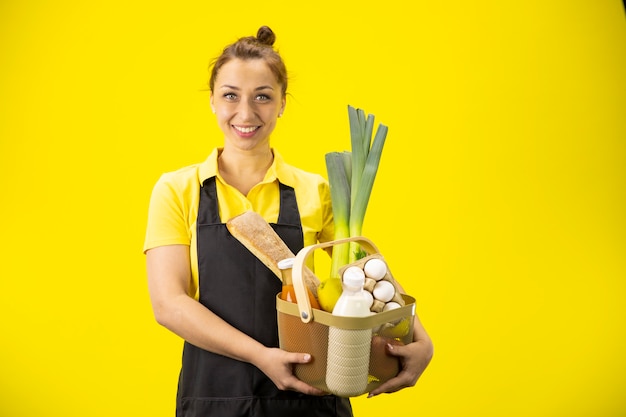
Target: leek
(351, 177)
(363, 190)
(340, 197)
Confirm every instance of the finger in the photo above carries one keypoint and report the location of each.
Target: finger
(392, 385)
(305, 388)
(301, 386)
(396, 350)
(300, 358)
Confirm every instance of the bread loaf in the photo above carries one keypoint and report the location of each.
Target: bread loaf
(258, 237)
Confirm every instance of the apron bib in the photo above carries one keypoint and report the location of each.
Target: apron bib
(240, 289)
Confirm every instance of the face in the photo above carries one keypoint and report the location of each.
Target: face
(247, 99)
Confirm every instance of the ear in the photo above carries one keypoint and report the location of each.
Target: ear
(282, 107)
(212, 105)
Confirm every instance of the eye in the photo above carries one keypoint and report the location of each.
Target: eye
(263, 97)
(230, 96)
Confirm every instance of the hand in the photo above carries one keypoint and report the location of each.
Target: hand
(278, 364)
(414, 359)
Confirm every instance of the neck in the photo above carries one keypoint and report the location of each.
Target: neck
(244, 169)
(238, 162)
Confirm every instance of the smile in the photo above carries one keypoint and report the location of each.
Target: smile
(246, 129)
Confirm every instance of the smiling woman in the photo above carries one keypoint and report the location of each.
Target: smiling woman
(205, 286)
(248, 93)
(247, 101)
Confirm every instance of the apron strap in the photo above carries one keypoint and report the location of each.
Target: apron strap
(208, 210)
(288, 213)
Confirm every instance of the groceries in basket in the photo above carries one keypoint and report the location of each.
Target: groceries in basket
(348, 344)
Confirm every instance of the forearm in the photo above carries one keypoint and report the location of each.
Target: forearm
(201, 327)
(169, 274)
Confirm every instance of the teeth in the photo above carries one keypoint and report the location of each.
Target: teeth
(246, 129)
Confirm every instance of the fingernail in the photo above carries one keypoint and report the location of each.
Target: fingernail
(307, 357)
(390, 346)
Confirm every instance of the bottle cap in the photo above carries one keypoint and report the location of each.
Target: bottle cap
(353, 277)
(286, 263)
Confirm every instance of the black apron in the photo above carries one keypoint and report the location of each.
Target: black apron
(240, 289)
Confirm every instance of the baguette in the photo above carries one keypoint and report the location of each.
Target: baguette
(258, 237)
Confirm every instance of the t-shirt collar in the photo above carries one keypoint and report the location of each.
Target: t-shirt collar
(277, 171)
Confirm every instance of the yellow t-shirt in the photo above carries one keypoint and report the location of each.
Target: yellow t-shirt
(174, 204)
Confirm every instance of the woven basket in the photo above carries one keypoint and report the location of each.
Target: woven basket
(304, 329)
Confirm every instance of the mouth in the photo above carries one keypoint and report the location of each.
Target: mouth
(246, 130)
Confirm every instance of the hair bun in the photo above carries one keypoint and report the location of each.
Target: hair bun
(266, 36)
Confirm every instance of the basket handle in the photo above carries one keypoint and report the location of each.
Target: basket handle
(304, 305)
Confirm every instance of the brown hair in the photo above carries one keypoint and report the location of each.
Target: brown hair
(250, 47)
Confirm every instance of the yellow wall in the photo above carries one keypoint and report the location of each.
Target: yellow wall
(499, 203)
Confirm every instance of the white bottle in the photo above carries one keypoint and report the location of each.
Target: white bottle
(347, 366)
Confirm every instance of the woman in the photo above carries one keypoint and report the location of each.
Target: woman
(207, 288)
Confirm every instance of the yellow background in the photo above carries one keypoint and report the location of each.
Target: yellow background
(500, 200)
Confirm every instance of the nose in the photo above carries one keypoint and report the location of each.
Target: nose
(246, 110)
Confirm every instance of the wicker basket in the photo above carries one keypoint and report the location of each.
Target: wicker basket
(304, 329)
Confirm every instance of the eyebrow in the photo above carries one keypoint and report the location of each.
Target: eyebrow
(262, 87)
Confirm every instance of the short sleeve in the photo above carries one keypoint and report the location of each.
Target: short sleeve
(167, 216)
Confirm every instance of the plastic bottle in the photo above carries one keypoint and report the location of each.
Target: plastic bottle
(347, 366)
(288, 292)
